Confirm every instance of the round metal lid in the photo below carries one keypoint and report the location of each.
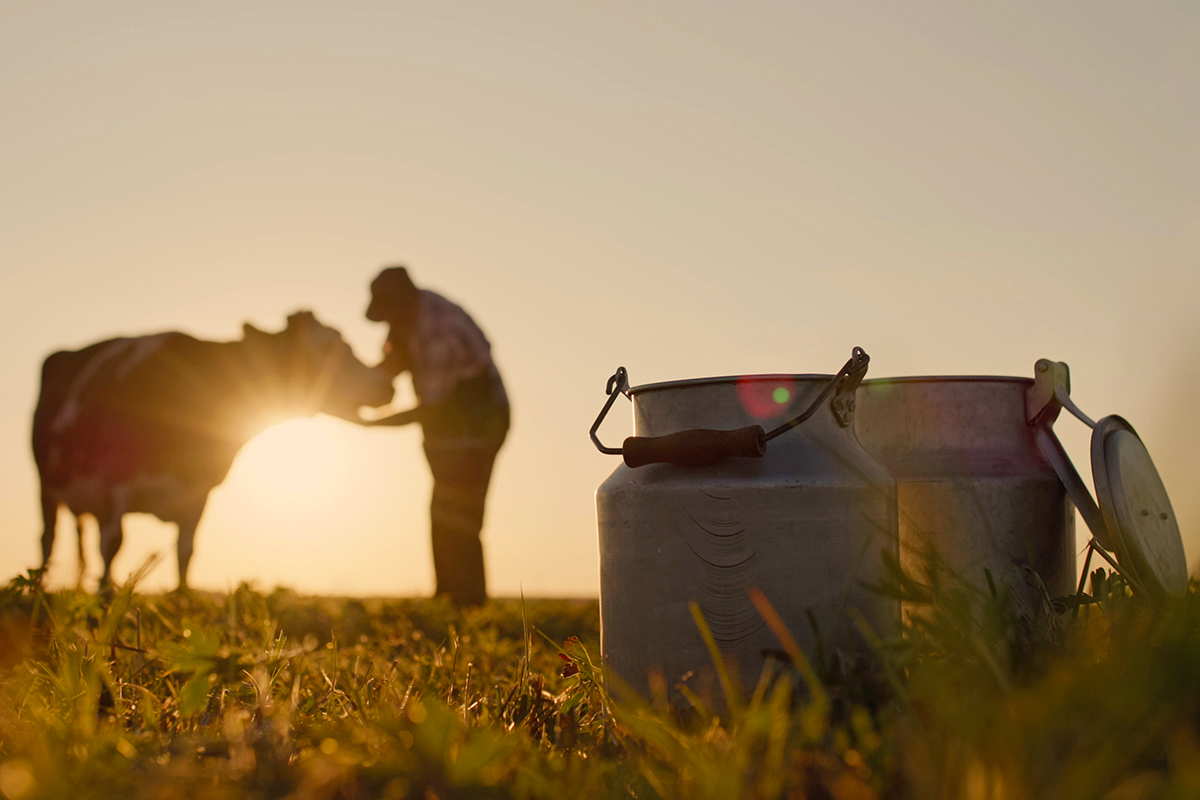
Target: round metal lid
(1136, 509)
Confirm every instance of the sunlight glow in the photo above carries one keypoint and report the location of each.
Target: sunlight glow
(302, 464)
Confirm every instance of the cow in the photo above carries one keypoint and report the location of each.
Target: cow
(151, 424)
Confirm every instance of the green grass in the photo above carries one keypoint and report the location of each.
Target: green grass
(276, 695)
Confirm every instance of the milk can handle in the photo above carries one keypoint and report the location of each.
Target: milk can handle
(705, 446)
(618, 385)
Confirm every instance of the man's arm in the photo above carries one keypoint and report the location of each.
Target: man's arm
(395, 420)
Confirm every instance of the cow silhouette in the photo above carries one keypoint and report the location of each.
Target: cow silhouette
(151, 424)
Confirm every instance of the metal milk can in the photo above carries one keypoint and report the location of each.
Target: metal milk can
(971, 482)
(732, 484)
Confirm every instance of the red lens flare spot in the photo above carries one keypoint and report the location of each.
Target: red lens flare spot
(764, 399)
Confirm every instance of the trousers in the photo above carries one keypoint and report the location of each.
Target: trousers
(462, 472)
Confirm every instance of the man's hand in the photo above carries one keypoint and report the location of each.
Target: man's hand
(396, 359)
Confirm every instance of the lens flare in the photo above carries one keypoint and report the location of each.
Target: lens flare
(763, 399)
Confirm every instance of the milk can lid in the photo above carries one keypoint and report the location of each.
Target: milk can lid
(1136, 509)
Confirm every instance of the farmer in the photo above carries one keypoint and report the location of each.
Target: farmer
(463, 411)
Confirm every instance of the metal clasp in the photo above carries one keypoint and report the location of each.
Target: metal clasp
(1049, 395)
(617, 385)
(844, 382)
(843, 401)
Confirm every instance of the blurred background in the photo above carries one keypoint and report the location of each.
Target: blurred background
(687, 189)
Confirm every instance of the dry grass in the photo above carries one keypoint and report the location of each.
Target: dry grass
(251, 695)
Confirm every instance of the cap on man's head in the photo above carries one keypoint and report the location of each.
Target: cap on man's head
(392, 292)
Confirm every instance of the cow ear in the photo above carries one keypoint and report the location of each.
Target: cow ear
(300, 319)
(250, 332)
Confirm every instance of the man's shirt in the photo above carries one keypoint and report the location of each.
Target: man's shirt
(447, 348)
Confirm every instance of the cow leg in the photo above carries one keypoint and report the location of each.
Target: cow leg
(111, 532)
(187, 538)
(49, 522)
(82, 559)
(111, 536)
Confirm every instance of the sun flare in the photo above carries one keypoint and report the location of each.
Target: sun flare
(301, 463)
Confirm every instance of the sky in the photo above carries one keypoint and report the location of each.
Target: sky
(685, 189)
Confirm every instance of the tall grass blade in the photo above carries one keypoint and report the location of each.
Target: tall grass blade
(729, 685)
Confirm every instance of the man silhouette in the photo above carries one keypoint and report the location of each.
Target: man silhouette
(464, 414)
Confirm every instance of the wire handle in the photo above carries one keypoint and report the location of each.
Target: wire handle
(617, 385)
(705, 446)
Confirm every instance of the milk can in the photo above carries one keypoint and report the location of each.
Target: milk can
(971, 482)
(733, 484)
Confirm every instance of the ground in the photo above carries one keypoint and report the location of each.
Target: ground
(262, 695)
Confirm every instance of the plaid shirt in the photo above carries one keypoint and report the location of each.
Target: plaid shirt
(447, 347)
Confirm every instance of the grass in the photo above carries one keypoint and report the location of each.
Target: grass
(253, 695)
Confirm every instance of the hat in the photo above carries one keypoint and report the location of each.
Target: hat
(392, 293)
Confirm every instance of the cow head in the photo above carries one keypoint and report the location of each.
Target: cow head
(308, 368)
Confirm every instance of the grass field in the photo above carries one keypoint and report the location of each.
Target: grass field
(252, 695)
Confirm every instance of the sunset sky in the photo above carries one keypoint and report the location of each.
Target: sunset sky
(687, 189)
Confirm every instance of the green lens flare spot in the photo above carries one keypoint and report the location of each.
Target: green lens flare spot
(781, 395)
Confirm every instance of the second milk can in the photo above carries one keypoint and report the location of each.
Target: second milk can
(769, 489)
(972, 484)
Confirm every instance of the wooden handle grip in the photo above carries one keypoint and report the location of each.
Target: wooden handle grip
(694, 447)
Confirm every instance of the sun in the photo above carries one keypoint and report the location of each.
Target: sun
(301, 464)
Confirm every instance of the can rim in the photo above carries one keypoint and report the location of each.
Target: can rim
(765, 378)
(815, 376)
(951, 379)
